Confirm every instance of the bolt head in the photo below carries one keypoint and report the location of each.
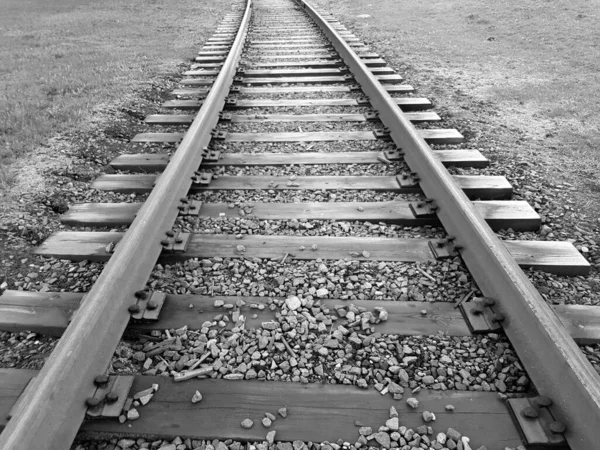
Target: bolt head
(543, 401)
(497, 318)
(133, 309)
(111, 397)
(101, 380)
(489, 301)
(530, 413)
(558, 427)
(91, 402)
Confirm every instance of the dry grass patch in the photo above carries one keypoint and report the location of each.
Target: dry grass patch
(62, 58)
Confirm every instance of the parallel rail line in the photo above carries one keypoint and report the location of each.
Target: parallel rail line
(280, 55)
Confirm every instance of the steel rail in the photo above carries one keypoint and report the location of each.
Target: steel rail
(53, 406)
(557, 367)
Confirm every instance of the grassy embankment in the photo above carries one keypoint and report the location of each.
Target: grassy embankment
(61, 58)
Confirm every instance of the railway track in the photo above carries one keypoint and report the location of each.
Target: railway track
(301, 235)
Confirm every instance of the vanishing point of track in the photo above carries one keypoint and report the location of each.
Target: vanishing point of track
(289, 48)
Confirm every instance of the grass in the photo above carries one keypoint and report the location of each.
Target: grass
(536, 62)
(62, 58)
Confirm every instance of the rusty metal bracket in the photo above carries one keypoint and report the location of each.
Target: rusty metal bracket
(480, 316)
(536, 424)
(189, 208)
(349, 77)
(110, 397)
(241, 72)
(202, 178)
(238, 79)
(408, 180)
(355, 87)
(235, 89)
(393, 155)
(443, 248)
(176, 241)
(371, 116)
(210, 155)
(423, 210)
(363, 102)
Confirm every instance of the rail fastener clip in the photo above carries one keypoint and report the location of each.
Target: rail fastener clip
(176, 241)
(423, 210)
(210, 155)
(189, 208)
(444, 248)
(408, 180)
(148, 306)
(202, 178)
(536, 423)
(110, 397)
(393, 155)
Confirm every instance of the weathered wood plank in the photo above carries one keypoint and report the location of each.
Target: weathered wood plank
(285, 47)
(294, 80)
(476, 187)
(291, 80)
(379, 62)
(301, 39)
(400, 88)
(49, 313)
(406, 103)
(317, 136)
(316, 412)
(442, 136)
(92, 246)
(554, 257)
(186, 119)
(415, 117)
(302, 136)
(518, 215)
(211, 58)
(154, 162)
(330, 54)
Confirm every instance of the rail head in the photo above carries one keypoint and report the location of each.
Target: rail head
(53, 405)
(555, 364)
